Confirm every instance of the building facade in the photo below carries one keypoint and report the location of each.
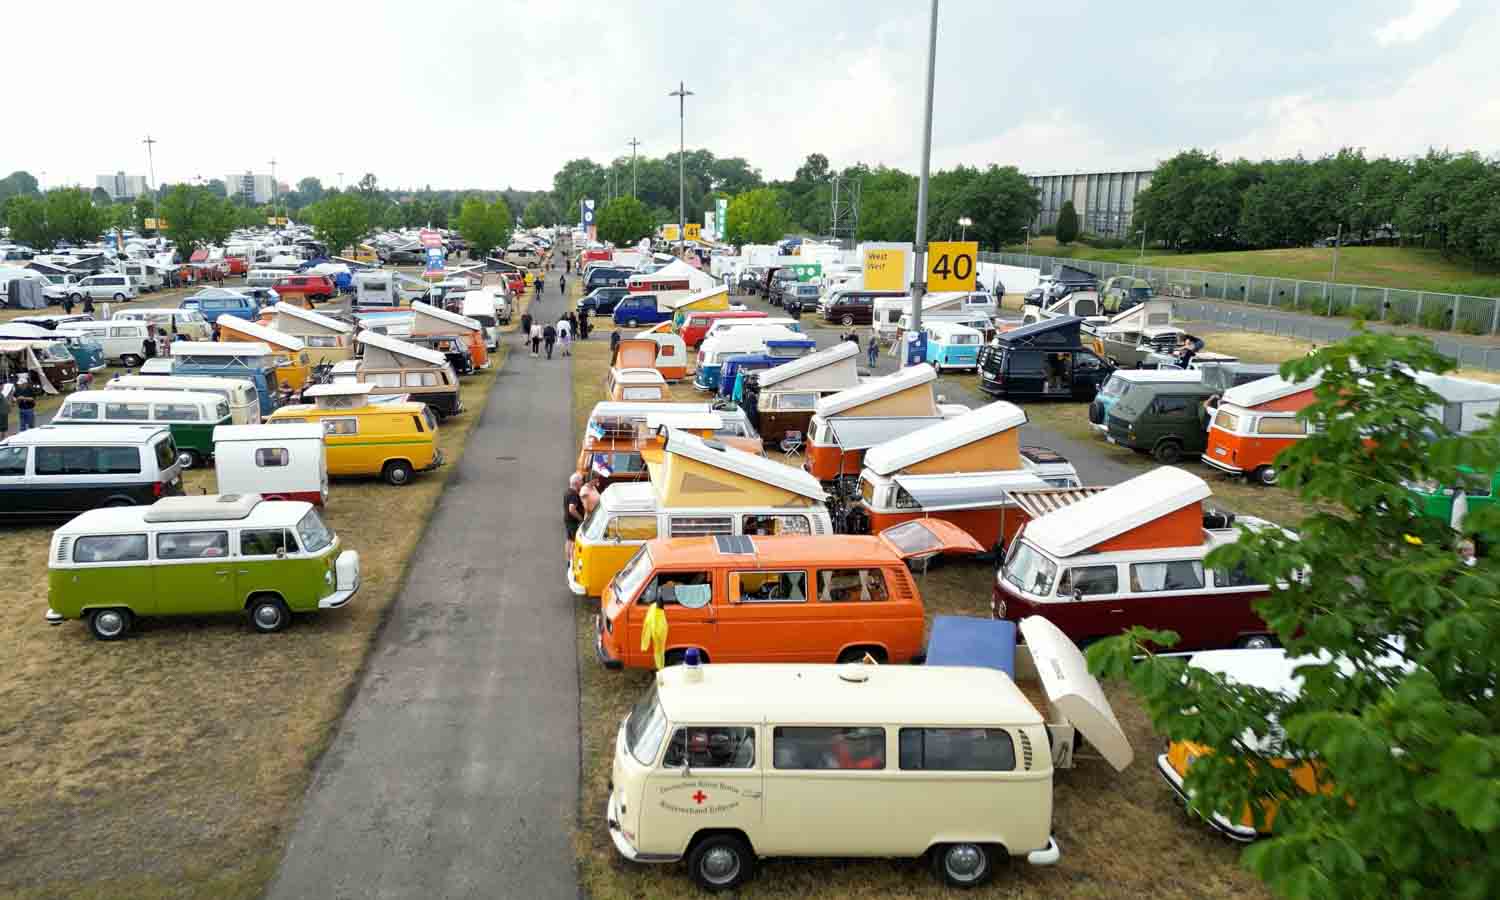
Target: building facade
(256, 188)
(120, 186)
(1104, 200)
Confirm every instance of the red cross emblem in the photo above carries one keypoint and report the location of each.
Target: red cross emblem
(699, 797)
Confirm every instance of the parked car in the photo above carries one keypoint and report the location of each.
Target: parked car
(118, 288)
(213, 304)
(405, 258)
(197, 555)
(606, 277)
(58, 471)
(602, 301)
(1165, 419)
(302, 289)
(851, 308)
(62, 287)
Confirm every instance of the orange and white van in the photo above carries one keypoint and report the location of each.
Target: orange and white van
(1254, 422)
(736, 598)
(657, 349)
(846, 424)
(428, 320)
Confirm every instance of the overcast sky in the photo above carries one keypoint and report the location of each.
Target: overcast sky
(500, 93)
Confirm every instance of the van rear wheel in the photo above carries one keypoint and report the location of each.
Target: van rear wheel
(397, 472)
(846, 320)
(1266, 475)
(1168, 452)
(189, 459)
(110, 624)
(963, 865)
(119, 298)
(131, 361)
(268, 614)
(721, 862)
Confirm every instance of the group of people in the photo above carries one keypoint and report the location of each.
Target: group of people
(872, 350)
(580, 500)
(545, 337)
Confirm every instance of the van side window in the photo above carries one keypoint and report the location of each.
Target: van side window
(1236, 577)
(348, 425)
(87, 461)
(957, 750)
(715, 747)
(321, 340)
(1172, 406)
(828, 748)
(1179, 575)
(1089, 580)
(852, 586)
(136, 412)
(78, 410)
(110, 548)
(272, 457)
(630, 528)
(192, 545)
(386, 379)
(691, 526)
(12, 460)
(769, 587)
(667, 584)
(267, 542)
(165, 450)
(421, 379)
(177, 412)
(772, 525)
(1280, 425)
(1227, 421)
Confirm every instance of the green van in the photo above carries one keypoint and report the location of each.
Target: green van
(1436, 501)
(216, 553)
(191, 415)
(1164, 419)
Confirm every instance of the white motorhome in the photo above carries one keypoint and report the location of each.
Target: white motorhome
(376, 290)
(889, 310)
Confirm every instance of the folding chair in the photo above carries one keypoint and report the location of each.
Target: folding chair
(791, 444)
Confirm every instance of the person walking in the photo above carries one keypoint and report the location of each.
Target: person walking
(67, 304)
(5, 391)
(562, 284)
(565, 335)
(614, 343)
(573, 513)
(584, 327)
(26, 394)
(88, 304)
(525, 327)
(541, 282)
(873, 350)
(549, 337)
(536, 339)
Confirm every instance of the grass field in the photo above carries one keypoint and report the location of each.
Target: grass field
(1394, 267)
(172, 764)
(1123, 835)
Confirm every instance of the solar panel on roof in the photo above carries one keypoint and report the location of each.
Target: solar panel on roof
(735, 545)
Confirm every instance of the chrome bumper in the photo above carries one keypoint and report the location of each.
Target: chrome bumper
(623, 846)
(1216, 822)
(573, 585)
(1046, 856)
(54, 617)
(1226, 468)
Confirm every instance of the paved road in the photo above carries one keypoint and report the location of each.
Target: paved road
(455, 771)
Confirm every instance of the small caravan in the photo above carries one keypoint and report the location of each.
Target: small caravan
(1100, 562)
(327, 339)
(485, 307)
(376, 291)
(782, 399)
(1256, 421)
(399, 367)
(890, 310)
(279, 462)
(290, 353)
(698, 486)
(654, 349)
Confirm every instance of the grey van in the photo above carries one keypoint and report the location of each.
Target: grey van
(1164, 419)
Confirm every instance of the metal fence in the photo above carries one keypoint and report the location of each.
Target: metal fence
(1460, 313)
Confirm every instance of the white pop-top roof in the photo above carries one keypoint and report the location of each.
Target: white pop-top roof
(1073, 691)
(271, 431)
(748, 465)
(638, 376)
(1267, 390)
(315, 318)
(630, 495)
(750, 339)
(1110, 513)
(1458, 390)
(624, 409)
(698, 295)
(220, 348)
(876, 388)
(402, 348)
(948, 329)
(342, 389)
(202, 508)
(959, 696)
(711, 421)
(442, 315)
(126, 394)
(1159, 376)
(826, 357)
(943, 436)
(269, 335)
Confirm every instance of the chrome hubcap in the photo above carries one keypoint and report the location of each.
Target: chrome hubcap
(109, 623)
(185, 460)
(1258, 643)
(964, 862)
(720, 865)
(267, 616)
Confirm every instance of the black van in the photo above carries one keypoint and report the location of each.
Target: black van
(59, 471)
(1044, 360)
(606, 277)
(854, 308)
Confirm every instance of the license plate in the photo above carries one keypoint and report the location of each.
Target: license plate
(1219, 451)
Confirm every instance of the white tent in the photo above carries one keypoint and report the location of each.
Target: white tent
(676, 270)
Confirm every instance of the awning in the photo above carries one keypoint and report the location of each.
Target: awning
(935, 493)
(1038, 503)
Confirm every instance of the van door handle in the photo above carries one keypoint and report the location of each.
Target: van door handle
(753, 795)
(244, 571)
(222, 572)
(1117, 610)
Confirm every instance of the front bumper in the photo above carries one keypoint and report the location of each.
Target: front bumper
(437, 460)
(347, 580)
(609, 662)
(573, 585)
(54, 617)
(1217, 822)
(623, 845)
(1046, 856)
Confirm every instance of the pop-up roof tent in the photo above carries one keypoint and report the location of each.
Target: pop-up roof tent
(428, 319)
(1062, 332)
(1468, 406)
(1073, 275)
(341, 395)
(700, 300)
(382, 351)
(698, 472)
(1273, 394)
(304, 322)
(828, 369)
(235, 327)
(907, 392)
(986, 439)
(249, 354)
(635, 353)
(1161, 508)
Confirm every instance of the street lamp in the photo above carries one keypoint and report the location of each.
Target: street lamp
(151, 172)
(964, 222)
(682, 93)
(919, 249)
(633, 144)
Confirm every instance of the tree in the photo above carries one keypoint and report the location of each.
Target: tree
(368, 185)
(339, 222)
(100, 197)
(1398, 637)
(196, 218)
(18, 183)
(757, 217)
(72, 216)
(311, 190)
(27, 217)
(1067, 223)
(484, 225)
(624, 220)
(539, 212)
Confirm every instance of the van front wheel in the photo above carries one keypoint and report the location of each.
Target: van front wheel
(268, 614)
(110, 624)
(188, 459)
(963, 865)
(397, 472)
(721, 862)
(1266, 475)
(131, 361)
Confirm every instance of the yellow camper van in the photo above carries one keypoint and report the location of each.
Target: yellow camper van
(290, 353)
(392, 440)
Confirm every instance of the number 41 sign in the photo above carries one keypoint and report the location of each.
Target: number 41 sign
(951, 265)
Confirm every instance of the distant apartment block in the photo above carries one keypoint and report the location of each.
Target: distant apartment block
(256, 188)
(1104, 200)
(120, 186)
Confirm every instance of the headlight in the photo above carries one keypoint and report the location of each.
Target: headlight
(328, 578)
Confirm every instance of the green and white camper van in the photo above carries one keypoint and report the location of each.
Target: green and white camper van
(191, 415)
(219, 553)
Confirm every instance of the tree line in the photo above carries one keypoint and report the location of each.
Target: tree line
(1444, 201)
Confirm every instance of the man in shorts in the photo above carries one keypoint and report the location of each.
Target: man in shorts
(573, 513)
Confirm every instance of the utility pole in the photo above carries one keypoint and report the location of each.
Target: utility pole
(1333, 275)
(682, 93)
(919, 249)
(1143, 243)
(341, 182)
(633, 144)
(151, 172)
(273, 188)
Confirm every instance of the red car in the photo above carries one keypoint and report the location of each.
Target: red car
(237, 265)
(307, 287)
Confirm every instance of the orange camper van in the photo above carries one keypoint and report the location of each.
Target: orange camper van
(655, 349)
(621, 437)
(1254, 422)
(428, 320)
(775, 599)
(844, 425)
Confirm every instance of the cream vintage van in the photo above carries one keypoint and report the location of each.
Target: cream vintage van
(723, 764)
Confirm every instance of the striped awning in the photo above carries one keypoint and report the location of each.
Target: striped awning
(1038, 503)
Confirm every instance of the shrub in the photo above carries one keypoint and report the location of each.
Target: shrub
(1067, 223)
(1435, 318)
(1471, 325)
(1103, 243)
(1398, 317)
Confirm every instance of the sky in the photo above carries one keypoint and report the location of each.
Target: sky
(501, 93)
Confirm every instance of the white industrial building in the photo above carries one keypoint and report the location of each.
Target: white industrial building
(120, 186)
(256, 188)
(1104, 200)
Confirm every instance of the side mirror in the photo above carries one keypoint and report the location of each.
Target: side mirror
(281, 553)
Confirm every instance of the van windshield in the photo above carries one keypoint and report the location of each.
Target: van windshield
(314, 534)
(1114, 387)
(635, 573)
(1133, 399)
(646, 728)
(1029, 570)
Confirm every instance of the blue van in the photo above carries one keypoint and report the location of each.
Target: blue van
(252, 361)
(721, 374)
(215, 302)
(639, 309)
(953, 346)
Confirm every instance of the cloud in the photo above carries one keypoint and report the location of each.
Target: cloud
(1423, 17)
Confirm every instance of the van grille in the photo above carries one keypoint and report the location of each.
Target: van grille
(1025, 750)
(64, 548)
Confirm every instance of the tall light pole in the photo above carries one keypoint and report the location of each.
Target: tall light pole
(633, 144)
(273, 189)
(151, 172)
(964, 222)
(682, 93)
(919, 249)
(341, 182)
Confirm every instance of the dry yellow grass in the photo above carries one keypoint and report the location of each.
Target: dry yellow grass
(171, 764)
(1122, 835)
